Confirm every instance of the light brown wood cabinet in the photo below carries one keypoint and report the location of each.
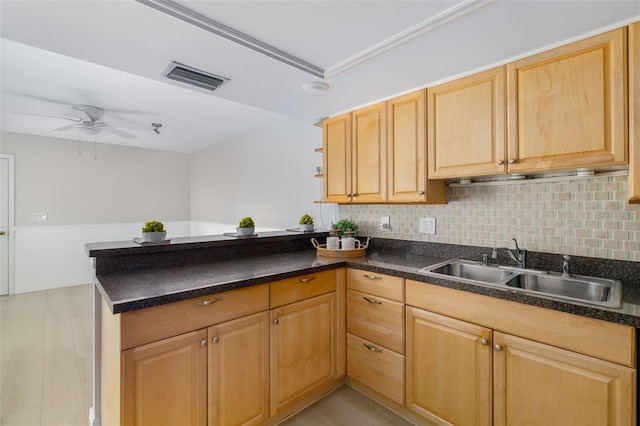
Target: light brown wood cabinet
(567, 106)
(466, 365)
(466, 126)
(634, 113)
(375, 332)
(337, 151)
(406, 152)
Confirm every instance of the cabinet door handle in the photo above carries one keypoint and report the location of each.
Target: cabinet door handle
(372, 348)
(276, 321)
(500, 162)
(306, 279)
(215, 339)
(511, 160)
(203, 343)
(372, 277)
(484, 342)
(207, 302)
(420, 192)
(497, 348)
(377, 302)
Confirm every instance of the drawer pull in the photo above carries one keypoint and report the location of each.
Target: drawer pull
(373, 277)
(377, 302)
(207, 302)
(307, 279)
(372, 348)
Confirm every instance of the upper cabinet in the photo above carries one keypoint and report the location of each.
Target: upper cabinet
(634, 113)
(377, 154)
(406, 152)
(567, 106)
(466, 126)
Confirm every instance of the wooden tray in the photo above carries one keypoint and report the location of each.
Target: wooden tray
(324, 251)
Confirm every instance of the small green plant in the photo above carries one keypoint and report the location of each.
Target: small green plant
(246, 222)
(345, 225)
(306, 220)
(153, 226)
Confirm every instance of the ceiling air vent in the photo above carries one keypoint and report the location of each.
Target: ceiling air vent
(194, 77)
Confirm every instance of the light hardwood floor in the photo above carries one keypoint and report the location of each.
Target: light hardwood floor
(46, 367)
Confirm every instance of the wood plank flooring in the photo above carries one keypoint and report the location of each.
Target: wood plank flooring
(46, 367)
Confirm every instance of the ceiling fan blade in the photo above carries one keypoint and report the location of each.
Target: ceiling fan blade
(117, 132)
(75, 120)
(67, 127)
(131, 126)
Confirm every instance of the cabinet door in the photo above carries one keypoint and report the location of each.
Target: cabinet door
(239, 371)
(567, 106)
(537, 384)
(369, 154)
(303, 349)
(634, 113)
(336, 149)
(407, 152)
(466, 126)
(448, 369)
(165, 382)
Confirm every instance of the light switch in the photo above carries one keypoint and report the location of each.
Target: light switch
(428, 225)
(384, 223)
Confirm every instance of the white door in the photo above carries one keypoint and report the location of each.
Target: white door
(4, 225)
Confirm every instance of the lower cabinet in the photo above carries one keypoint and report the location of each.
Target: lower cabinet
(303, 350)
(459, 372)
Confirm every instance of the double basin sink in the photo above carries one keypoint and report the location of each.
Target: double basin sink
(590, 290)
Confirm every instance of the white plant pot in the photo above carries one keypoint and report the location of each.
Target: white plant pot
(154, 237)
(245, 231)
(308, 227)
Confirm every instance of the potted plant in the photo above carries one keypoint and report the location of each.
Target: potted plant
(246, 226)
(346, 227)
(306, 223)
(153, 231)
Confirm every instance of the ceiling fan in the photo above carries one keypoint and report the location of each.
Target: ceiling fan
(89, 120)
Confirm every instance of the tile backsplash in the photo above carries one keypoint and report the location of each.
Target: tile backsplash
(576, 216)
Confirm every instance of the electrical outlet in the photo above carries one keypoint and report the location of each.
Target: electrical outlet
(384, 223)
(428, 225)
(39, 217)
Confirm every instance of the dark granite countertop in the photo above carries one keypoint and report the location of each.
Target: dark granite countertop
(132, 290)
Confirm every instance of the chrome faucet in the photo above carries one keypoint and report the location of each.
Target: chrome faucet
(520, 256)
(565, 267)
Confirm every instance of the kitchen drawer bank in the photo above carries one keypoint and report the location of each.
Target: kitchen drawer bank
(251, 355)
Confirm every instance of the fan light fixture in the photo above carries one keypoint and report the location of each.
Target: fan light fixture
(315, 87)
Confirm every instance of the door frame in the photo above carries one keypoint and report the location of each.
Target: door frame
(11, 223)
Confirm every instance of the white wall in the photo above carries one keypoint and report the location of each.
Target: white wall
(87, 200)
(267, 174)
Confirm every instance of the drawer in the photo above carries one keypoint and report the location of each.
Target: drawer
(376, 284)
(376, 319)
(303, 287)
(375, 367)
(159, 322)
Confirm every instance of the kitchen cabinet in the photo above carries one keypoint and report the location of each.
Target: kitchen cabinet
(407, 152)
(518, 364)
(165, 382)
(209, 349)
(306, 350)
(354, 147)
(567, 106)
(466, 126)
(238, 365)
(634, 113)
(375, 332)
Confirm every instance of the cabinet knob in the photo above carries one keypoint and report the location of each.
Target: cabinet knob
(215, 339)
(500, 162)
(203, 343)
(511, 160)
(484, 342)
(276, 321)
(420, 192)
(497, 348)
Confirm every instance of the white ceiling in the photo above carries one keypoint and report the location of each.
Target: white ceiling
(111, 53)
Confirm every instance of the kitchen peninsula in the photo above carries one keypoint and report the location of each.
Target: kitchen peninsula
(289, 318)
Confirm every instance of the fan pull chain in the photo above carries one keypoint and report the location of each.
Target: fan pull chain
(79, 141)
(95, 146)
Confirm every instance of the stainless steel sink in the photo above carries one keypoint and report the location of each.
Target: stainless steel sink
(598, 291)
(470, 271)
(591, 290)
